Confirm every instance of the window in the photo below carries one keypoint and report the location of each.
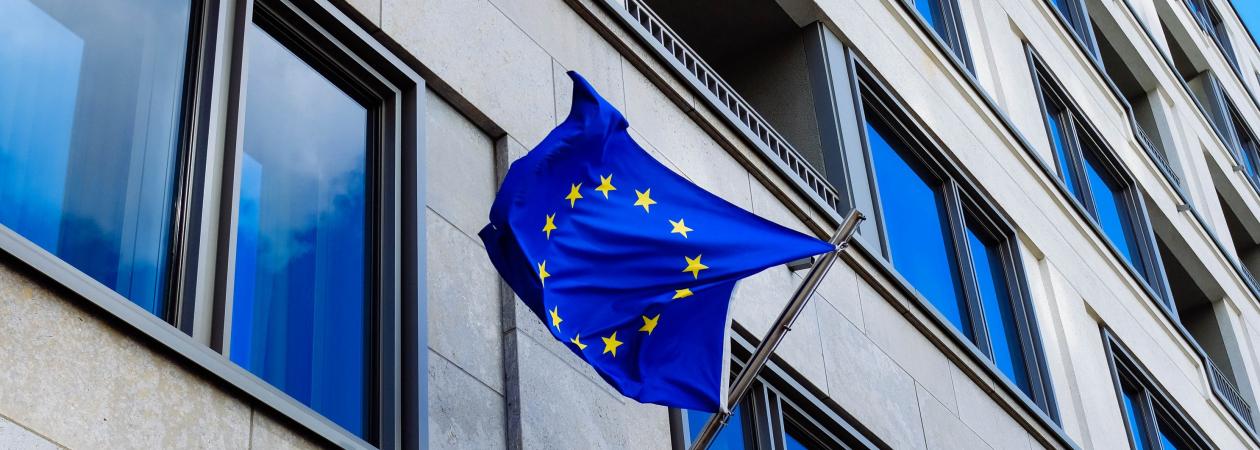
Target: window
(944, 18)
(1209, 19)
(1077, 18)
(1153, 422)
(778, 413)
(1097, 181)
(944, 239)
(320, 195)
(300, 298)
(90, 134)
(308, 296)
(1246, 149)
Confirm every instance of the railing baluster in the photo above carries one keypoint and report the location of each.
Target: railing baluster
(757, 126)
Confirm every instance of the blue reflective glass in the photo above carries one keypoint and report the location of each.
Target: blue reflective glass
(1249, 157)
(90, 108)
(730, 438)
(300, 305)
(931, 12)
(1059, 139)
(999, 312)
(1133, 412)
(1062, 5)
(1113, 211)
(919, 241)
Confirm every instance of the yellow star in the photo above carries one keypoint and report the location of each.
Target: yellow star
(574, 195)
(542, 273)
(694, 266)
(645, 199)
(605, 185)
(555, 318)
(611, 343)
(682, 293)
(577, 340)
(680, 228)
(649, 324)
(551, 225)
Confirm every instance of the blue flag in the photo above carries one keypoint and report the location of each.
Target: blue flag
(628, 264)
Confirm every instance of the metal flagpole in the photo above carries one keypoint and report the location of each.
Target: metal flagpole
(782, 325)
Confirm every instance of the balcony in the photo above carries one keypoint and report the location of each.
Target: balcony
(1228, 393)
(737, 111)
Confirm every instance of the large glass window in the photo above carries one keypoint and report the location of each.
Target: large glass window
(732, 437)
(776, 414)
(1113, 211)
(300, 301)
(90, 112)
(999, 309)
(953, 250)
(1077, 17)
(1153, 422)
(944, 18)
(1097, 182)
(920, 244)
(1209, 20)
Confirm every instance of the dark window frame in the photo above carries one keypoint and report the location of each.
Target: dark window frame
(1210, 21)
(403, 383)
(1160, 292)
(954, 36)
(388, 89)
(1077, 20)
(778, 399)
(1082, 136)
(1157, 405)
(965, 204)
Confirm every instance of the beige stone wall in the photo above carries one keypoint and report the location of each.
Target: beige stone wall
(69, 378)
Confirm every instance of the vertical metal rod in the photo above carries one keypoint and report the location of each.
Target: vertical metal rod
(781, 326)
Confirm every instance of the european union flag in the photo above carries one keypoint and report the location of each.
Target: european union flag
(628, 264)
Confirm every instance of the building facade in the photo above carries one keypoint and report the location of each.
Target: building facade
(253, 223)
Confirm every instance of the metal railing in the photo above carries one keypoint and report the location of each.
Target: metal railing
(725, 96)
(1226, 390)
(1158, 153)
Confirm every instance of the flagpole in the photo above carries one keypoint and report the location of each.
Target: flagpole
(781, 326)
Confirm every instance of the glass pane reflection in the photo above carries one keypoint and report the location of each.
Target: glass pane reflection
(999, 311)
(299, 309)
(919, 240)
(90, 107)
(731, 437)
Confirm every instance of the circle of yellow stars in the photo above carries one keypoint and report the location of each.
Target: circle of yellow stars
(644, 199)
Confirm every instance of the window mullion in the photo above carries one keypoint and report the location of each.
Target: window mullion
(966, 267)
(1148, 418)
(1075, 149)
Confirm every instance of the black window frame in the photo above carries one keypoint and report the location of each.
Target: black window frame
(388, 89)
(1082, 136)
(965, 204)
(954, 36)
(1210, 21)
(1076, 18)
(183, 331)
(778, 399)
(1157, 405)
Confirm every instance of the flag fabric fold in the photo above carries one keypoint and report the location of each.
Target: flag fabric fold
(628, 264)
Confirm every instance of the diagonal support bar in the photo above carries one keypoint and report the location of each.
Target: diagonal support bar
(781, 326)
